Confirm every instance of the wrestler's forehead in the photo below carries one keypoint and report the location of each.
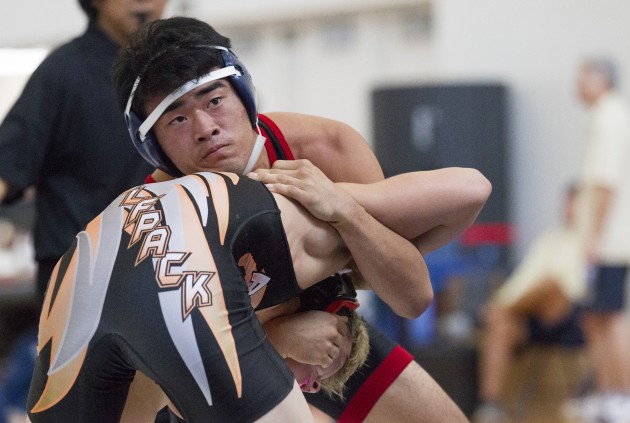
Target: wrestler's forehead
(154, 108)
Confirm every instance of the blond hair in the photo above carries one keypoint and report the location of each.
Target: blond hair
(335, 384)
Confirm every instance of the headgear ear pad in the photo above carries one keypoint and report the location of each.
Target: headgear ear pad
(243, 85)
(150, 149)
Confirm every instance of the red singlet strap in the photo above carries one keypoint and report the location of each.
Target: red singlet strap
(271, 153)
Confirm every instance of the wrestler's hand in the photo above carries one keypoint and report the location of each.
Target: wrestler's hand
(311, 337)
(302, 181)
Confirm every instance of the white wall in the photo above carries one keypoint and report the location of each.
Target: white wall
(329, 67)
(46, 23)
(39, 23)
(328, 60)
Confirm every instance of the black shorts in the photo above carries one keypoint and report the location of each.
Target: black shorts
(386, 361)
(568, 332)
(607, 293)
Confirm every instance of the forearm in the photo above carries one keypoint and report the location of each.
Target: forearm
(431, 208)
(278, 332)
(277, 321)
(388, 263)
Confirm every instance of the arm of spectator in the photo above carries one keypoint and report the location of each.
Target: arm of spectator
(3, 190)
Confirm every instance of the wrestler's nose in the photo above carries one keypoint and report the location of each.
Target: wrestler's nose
(205, 126)
(312, 387)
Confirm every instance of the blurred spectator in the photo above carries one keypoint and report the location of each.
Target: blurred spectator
(603, 217)
(66, 136)
(16, 253)
(538, 303)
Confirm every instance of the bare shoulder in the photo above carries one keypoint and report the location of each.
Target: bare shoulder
(339, 150)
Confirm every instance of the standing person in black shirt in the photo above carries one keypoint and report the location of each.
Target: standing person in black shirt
(65, 131)
(65, 136)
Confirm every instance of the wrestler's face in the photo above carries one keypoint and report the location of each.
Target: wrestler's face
(309, 377)
(205, 130)
(121, 18)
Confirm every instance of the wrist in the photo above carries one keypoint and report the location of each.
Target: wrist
(351, 216)
(274, 336)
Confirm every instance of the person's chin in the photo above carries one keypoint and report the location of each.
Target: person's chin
(230, 164)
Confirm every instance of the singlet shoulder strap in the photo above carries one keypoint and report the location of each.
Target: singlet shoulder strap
(277, 147)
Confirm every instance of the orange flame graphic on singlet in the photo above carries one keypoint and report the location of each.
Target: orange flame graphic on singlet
(54, 322)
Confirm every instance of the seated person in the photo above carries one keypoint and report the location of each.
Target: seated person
(154, 284)
(538, 303)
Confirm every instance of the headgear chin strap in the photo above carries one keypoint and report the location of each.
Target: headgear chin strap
(256, 151)
(142, 136)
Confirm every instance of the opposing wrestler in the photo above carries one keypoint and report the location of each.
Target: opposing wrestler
(155, 284)
(227, 139)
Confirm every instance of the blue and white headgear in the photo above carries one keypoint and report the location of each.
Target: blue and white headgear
(142, 136)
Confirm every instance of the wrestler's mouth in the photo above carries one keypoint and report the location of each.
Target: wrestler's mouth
(214, 149)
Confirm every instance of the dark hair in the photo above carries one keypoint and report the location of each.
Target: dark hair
(165, 54)
(89, 10)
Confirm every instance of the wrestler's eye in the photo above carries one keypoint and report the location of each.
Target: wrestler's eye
(214, 102)
(178, 120)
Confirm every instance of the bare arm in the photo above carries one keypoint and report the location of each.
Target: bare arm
(453, 196)
(343, 154)
(3, 189)
(397, 203)
(390, 264)
(439, 204)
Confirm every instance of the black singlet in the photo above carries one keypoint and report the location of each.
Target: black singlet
(155, 284)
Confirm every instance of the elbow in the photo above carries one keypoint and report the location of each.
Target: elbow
(478, 187)
(473, 189)
(419, 298)
(415, 305)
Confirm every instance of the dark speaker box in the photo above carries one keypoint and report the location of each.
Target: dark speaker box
(432, 126)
